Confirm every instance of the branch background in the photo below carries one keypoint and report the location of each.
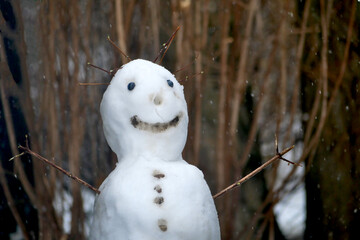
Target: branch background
(284, 67)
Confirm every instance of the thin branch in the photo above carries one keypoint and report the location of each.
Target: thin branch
(101, 69)
(298, 63)
(9, 124)
(93, 84)
(3, 182)
(119, 18)
(240, 82)
(16, 156)
(115, 46)
(256, 171)
(11, 202)
(111, 73)
(311, 144)
(166, 46)
(169, 43)
(191, 77)
(345, 57)
(70, 175)
(258, 111)
(280, 154)
(187, 65)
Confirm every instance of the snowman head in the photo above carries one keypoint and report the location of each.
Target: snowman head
(144, 112)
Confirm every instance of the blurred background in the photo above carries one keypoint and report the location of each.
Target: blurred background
(251, 69)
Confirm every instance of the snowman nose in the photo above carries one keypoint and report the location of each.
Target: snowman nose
(158, 100)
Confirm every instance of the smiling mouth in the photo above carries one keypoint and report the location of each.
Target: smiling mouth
(154, 127)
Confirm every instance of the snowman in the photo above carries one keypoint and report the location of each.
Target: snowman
(152, 194)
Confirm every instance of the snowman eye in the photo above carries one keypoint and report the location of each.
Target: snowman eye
(131, 86)
(170, 83)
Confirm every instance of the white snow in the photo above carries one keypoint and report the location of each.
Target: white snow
(290, 212)
(152, 193)
(291, 209)
(17, 235)
(63, 201)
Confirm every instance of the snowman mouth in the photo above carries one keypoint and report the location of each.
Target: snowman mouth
(154, 127)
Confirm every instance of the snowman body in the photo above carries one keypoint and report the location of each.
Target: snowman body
(152, 193)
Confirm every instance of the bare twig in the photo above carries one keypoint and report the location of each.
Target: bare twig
(256, 171)
(3, 182)
(92, 65)
(187, 65)
(191, 76)
(166, 46)
(16, 156)
(280, 154)
(10, 128)
(115, 46)
(11, 203)
(111, 73)
(311, 144)
(70, 175)
(93, 84)
(239, 86)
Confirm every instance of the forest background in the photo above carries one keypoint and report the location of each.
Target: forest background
(251, 69)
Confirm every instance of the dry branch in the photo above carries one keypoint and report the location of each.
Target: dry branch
(239, 86)
(119, 49)
(70, 175)
(11, 202)
(187, 65)
(3, 182)
(256, 171)
(345, 57)
(93, 84)
(100, 68)
(166, 46)
(298, 63)
(121, 34)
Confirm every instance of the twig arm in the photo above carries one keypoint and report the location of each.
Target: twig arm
(256, 171)
(70, 175)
